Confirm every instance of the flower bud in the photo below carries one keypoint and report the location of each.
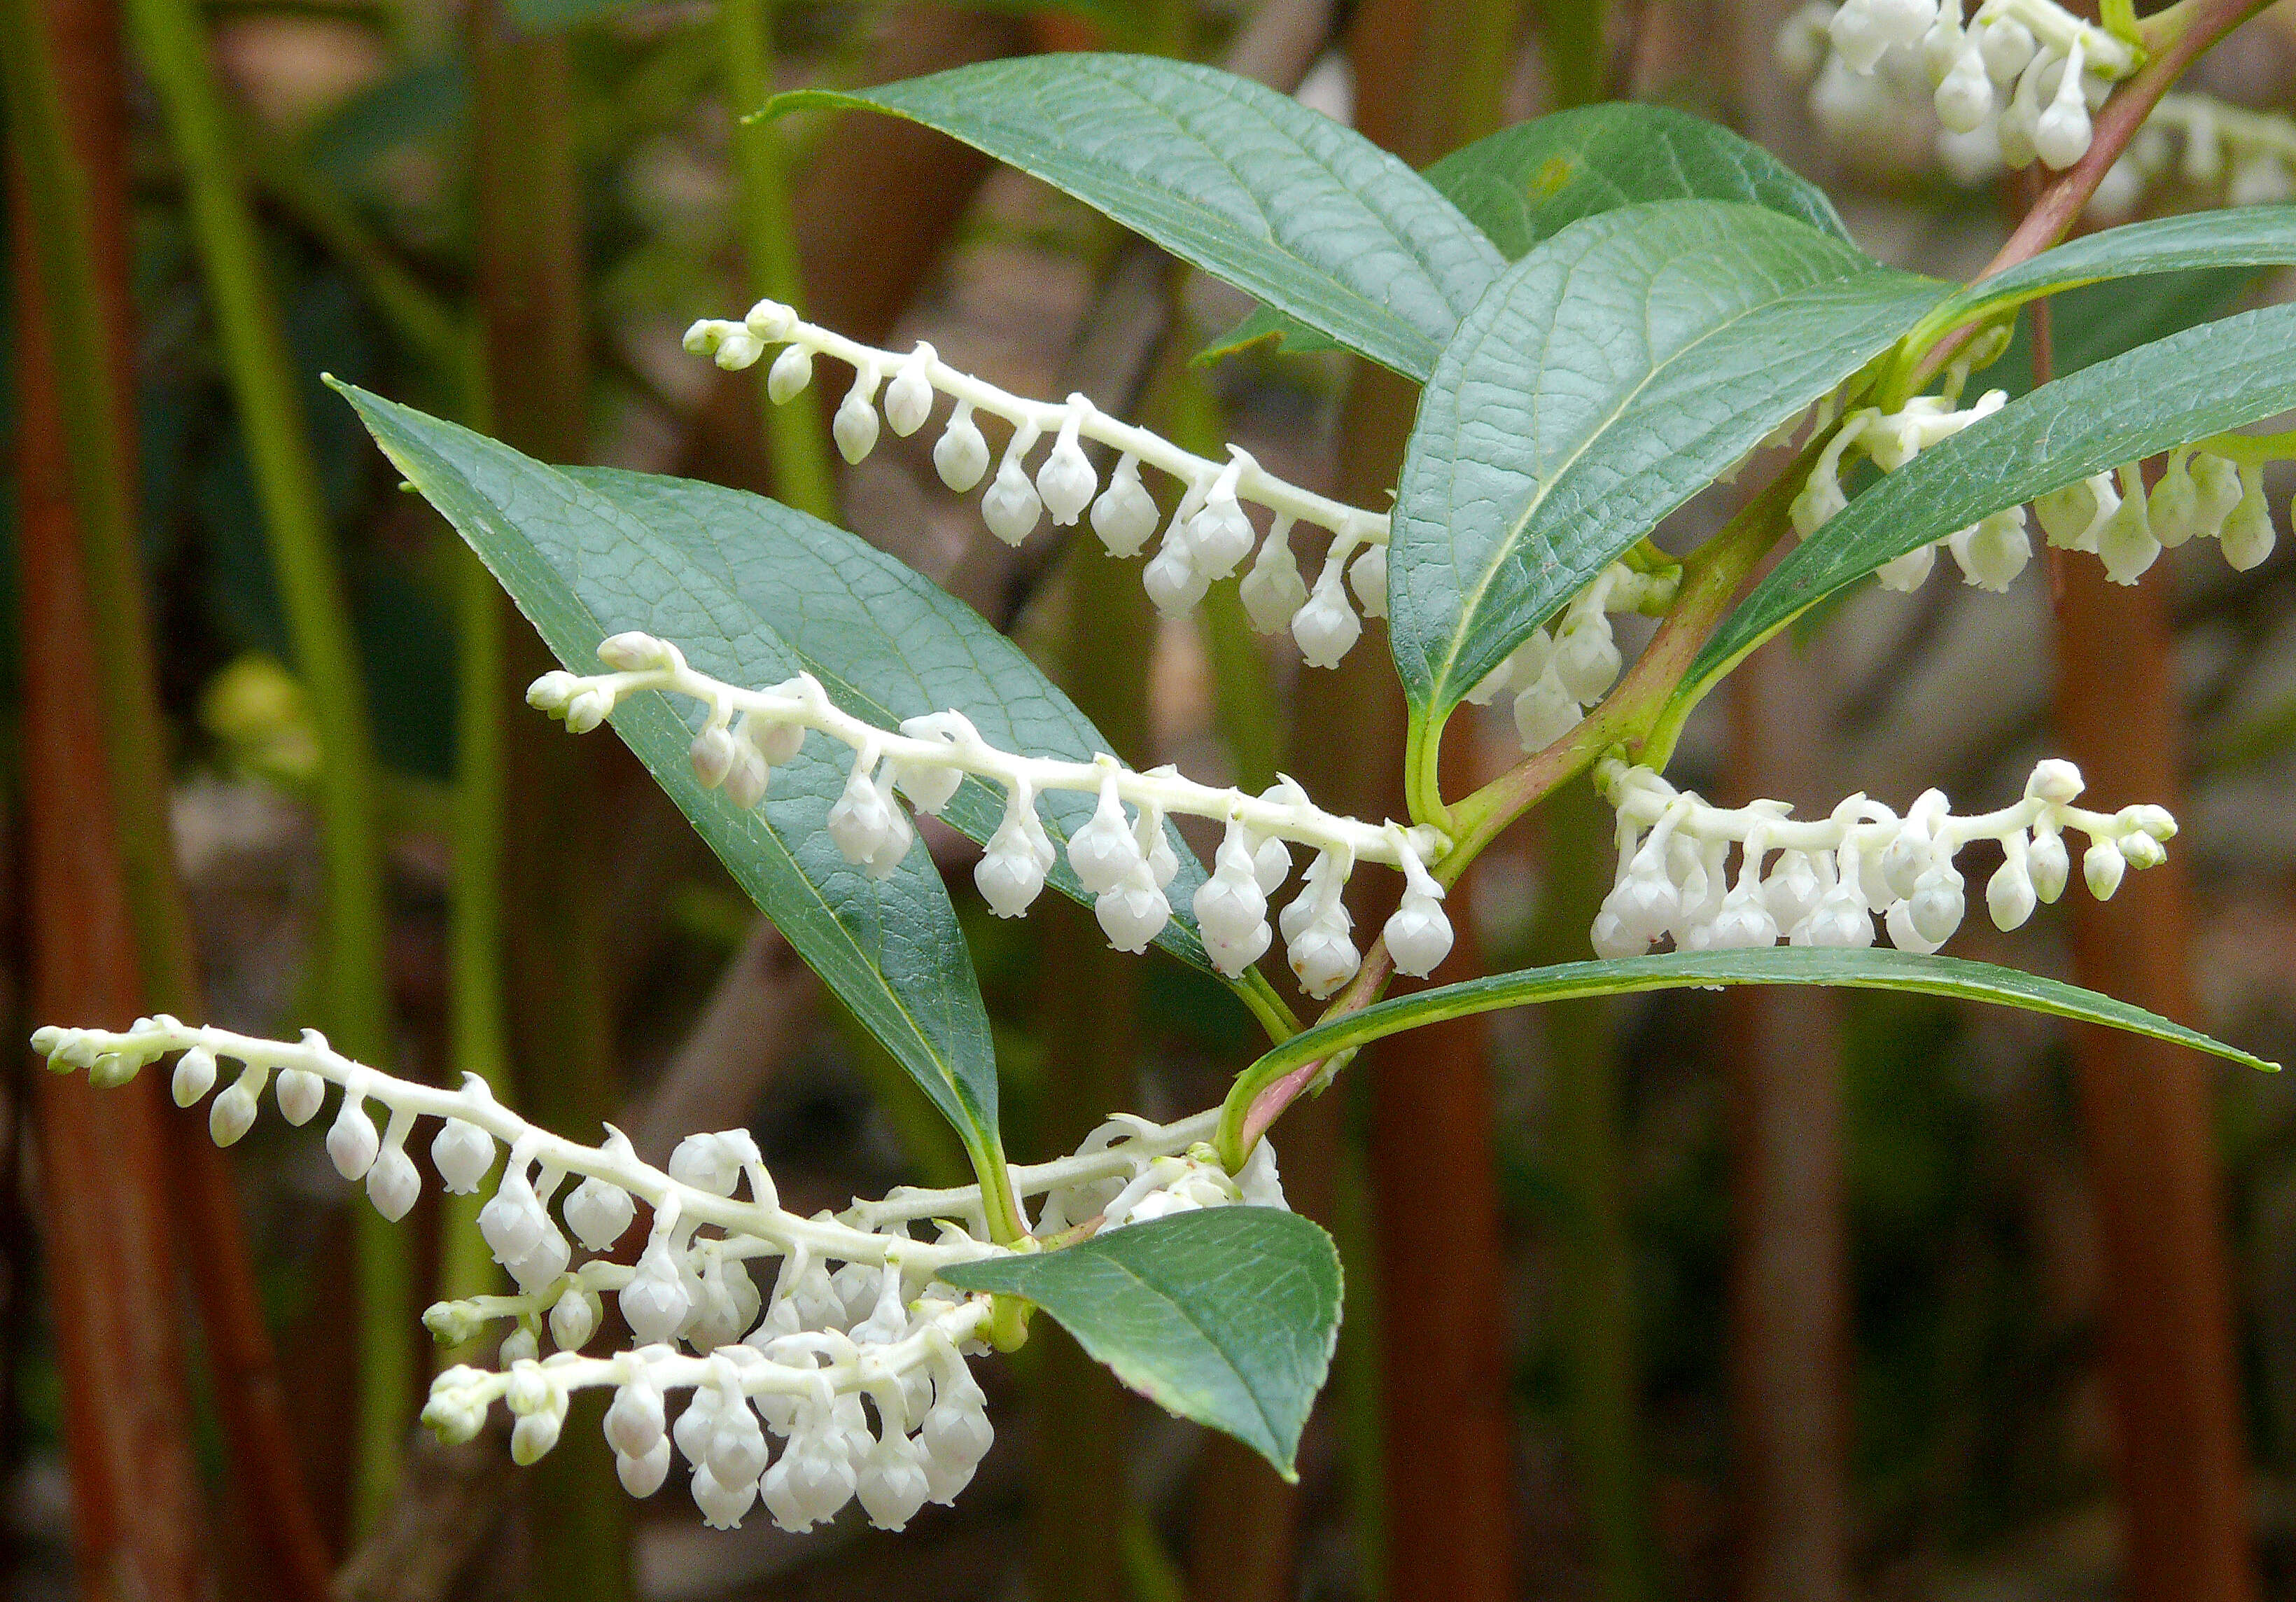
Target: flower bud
(352, 1142)
(855, 426)
(960, 456)
(2248, 537)
(1125, 515)
(861, 820)
(2074, 516)
(599, 1212)
(574, 1319)
(713, 755)
(1009, 874)
(655, 1304)
(1172, 578)
(2101, 864)
(1368, 576)
(2142, 851)
(929, 785)
(513, 1223)
(892, 1484)
(2126, 544)
(1937, 905)
(633, 651)
(299, 1093)
(787, 378)
(532, 1437)
(2174, 508)
(2216, 490)
(232, 1114)
(1904, 932)
(550, 692)
(1066, 483)
(1543, 713)
(194, 1076)
(2048, 863)
(634, 1423)
(587, 709)
(1856, 38)
(1964, 96)
(909, 397)
(1995, 551)
(2007, 45)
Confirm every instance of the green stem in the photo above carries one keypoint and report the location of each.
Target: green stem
(802, 474)
(172, 43)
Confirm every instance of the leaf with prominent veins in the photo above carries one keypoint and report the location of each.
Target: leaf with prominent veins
(1249, 185)
(1608, 376)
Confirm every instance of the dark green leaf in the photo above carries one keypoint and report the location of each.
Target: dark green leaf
(2250, 236)
(2100, 321)
(1608, 376)
(1248, 185)
(583, 565)
(2204, 380)
(1876, 968)
(1527, 183)
(1226, 1316)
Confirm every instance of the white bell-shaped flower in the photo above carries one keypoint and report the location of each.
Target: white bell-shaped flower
(2061, 133)
(2247, 535)
(1273, 590)
(1965, 95)
(393, 1184)
(2006, 45)
(1326, 627)
(1066, 481)
(599, 1212)
(1172, 578)
(1585, 661)
(655, 1304)
(1545, 712)
(1995, 551)
(2173, 508)
(861, 820)
(909, 397)
(2126, 544)
(1908, 573)
(1011, 873)
(723, 1506)
(642, 1475)
(352, 1141)
(574, 1319)
(2216, 490)
(1010, 506)
(1104, 851)
(2074, 517)
(634, 1422)
(1937, 904)
(1857, 40)
(1220, 537)
(1231, 908)
(961, 455)
(892, 1484)
(1418, 934)
(1133, 911)
(1125, 515)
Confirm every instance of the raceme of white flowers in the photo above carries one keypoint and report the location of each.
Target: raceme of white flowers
(1123, 858)
(1828, 877)
(2213, 489)
(2017, 80)
(1210, 532)
(855, 1360)
(1553, 675)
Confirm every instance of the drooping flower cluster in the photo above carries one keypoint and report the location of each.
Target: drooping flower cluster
(1555, 674)
(2228, 152)
(2213, 489)
(2018, 80)
(854, 1360)
(1125, 859)
(1820, 882)
(1208, 539)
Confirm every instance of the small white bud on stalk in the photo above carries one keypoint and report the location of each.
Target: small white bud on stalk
(1125, 515)
(787, 378)
(909, 397)
(1066, 481)
(462, 1153)
(961, 455)
(1273, 590)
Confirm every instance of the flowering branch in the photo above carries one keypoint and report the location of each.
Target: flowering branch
(1125, 860)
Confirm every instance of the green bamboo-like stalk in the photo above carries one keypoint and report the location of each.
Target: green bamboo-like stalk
(171, 41)
(802, 475)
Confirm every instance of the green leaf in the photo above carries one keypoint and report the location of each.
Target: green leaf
(2100, 321)
(1226, 1316)
(2204, 380)
(2250, 236)
(583, 566)
(1249, 185)
(1527, 183)
(1607, 377)
(1877, 968)
(887, 643)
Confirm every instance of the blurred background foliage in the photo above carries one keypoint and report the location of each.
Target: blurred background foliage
(510, 217)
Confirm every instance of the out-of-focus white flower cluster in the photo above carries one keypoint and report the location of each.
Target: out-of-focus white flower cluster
(1829, 877)
(1208, 539)
(1894, 79)
(1556, 672)
(855, 1359)
(2206, 148)
(1124, 859)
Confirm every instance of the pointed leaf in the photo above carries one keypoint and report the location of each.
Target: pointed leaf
(2240, 236)
(583, 567)
(1876, 968)
(1604, 378)
(2204, 380)
(1527, 183)
(1246, 183)
(1226, 1316)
